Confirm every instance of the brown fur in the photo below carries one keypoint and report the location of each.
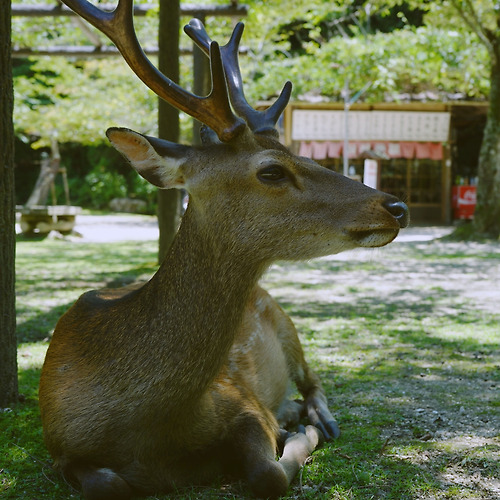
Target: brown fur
(186, 376)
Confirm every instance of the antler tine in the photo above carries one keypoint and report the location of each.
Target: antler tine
(213, 110)
(197, 32)
(258, 121)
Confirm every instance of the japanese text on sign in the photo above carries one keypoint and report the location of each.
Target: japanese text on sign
(328, 125)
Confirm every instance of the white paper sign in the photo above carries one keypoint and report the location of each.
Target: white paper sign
(328, 125)
(370, 174)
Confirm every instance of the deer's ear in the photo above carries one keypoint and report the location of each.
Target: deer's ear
(156, 160)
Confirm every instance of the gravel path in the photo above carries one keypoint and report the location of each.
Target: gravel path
(131, 227)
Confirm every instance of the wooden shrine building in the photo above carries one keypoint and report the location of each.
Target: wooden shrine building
(423, 151)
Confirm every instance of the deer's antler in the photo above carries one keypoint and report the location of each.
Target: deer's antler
(258, 121)
(214, 110)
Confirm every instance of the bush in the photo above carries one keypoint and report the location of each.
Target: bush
(104, 185)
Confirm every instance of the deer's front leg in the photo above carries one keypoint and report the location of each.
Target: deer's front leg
(309, 385)
(298, 447)
(256, 444)
(319, 415)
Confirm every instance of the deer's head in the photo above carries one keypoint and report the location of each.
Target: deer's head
(242, 181)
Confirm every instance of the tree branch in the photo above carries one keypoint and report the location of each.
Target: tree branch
(472, 20)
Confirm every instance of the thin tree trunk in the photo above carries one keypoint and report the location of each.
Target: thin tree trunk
(8, 344)
(487, 213)
(201, 81)
(168, 118)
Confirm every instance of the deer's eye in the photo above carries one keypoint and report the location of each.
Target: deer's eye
(272, 173)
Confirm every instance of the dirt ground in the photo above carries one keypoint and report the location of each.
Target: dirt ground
(437, 361)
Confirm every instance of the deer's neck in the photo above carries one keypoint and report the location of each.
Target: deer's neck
(199, 296)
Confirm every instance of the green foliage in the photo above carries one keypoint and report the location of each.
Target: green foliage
(395, 63)
(430, 58)
(468, 13)
(78, 100)
(108, 176)
(102, 184)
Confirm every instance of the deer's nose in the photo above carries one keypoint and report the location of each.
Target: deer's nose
(399, 211)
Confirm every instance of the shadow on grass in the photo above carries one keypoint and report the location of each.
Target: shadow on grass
(363, 466)
(39, 326)
(401, 304)
(396, 438)
(21, 237)
(81, 283)
(413, 368)
(358, 466)
(41, 321)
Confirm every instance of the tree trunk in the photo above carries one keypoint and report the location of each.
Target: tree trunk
(201, 80)
(168, 118)
(8, 345)
(487, 213)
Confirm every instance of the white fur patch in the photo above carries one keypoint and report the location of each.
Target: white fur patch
(163, 172)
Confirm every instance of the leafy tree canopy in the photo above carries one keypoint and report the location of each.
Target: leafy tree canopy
(317, 44)
(383, 42)
(77, 101)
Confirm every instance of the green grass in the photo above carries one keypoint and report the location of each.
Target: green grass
(406, 341)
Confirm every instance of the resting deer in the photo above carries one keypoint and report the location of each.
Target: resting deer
(152, 388)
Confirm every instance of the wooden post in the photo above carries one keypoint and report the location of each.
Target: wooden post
(446, 186)
(168, 118)
(201, 78)
(287, 125)
(8, 341)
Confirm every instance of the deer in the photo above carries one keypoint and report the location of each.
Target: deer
(186, 378)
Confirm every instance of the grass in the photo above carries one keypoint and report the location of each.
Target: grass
(405, 339)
